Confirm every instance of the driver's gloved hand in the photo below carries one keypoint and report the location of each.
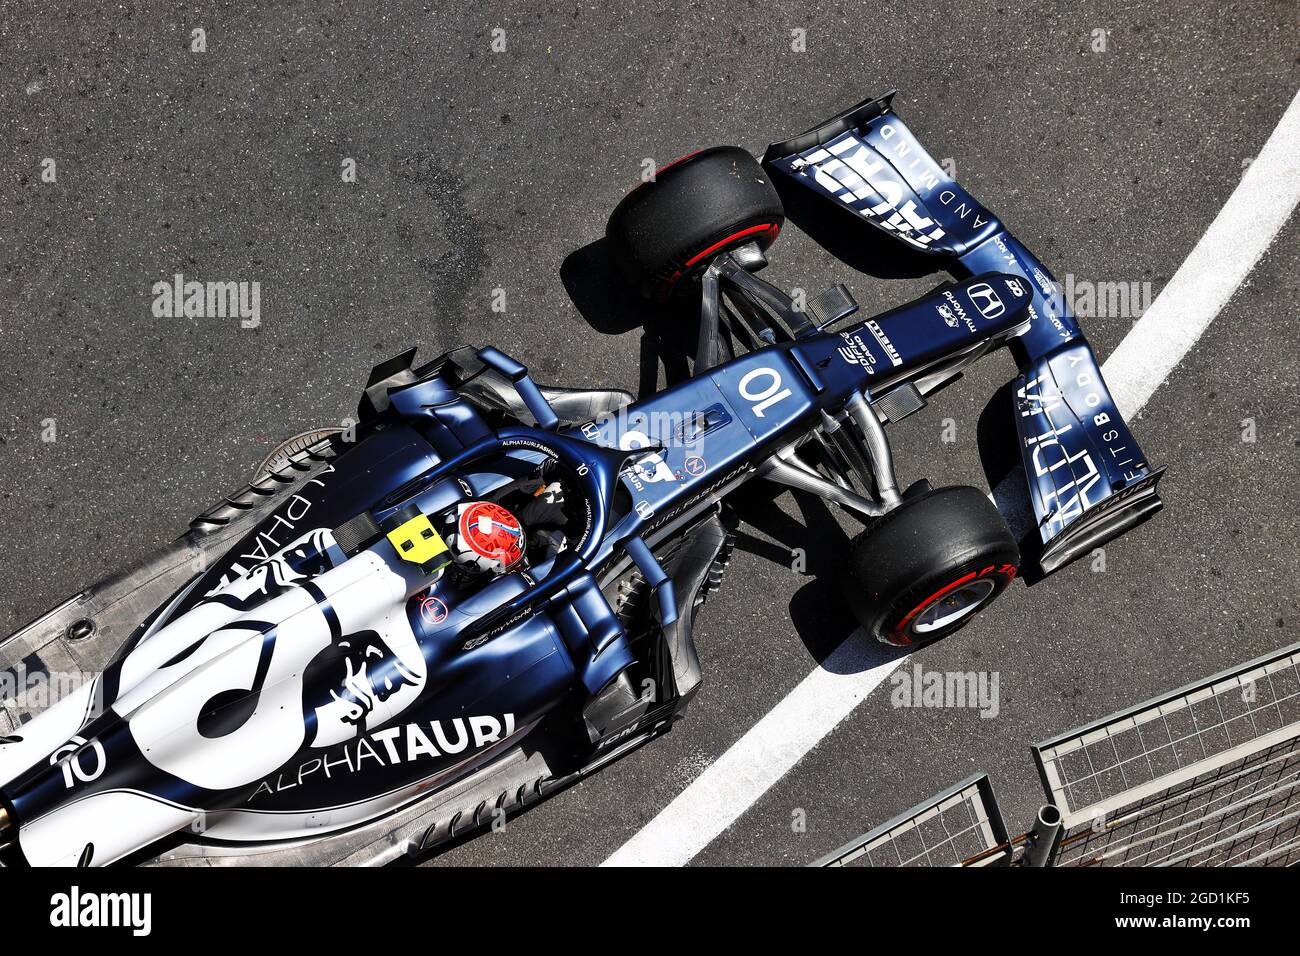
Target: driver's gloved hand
(544, 508)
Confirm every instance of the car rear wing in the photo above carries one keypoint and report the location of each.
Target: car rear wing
(1088, 479)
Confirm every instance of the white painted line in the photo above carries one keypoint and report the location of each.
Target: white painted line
(1211, 273)
(729, 786)
(1219, 263)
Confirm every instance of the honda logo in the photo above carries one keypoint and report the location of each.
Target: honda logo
(986, 300)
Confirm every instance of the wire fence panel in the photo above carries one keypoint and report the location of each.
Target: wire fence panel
(1207, 775)
(960, 827)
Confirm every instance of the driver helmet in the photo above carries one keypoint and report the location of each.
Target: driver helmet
(486, 538)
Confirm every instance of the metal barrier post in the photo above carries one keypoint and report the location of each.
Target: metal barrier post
(1043, 838)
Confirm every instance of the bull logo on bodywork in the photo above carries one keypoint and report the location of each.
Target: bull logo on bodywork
(361, 671)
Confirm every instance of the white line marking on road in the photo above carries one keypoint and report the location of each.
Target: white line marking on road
(759, 759)
(1217, 265)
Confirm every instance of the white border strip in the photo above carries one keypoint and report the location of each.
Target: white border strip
(728, 787)
(1219, 263)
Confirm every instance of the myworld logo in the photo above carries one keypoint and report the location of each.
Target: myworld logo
(191, 299)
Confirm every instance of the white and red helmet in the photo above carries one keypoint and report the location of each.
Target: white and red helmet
(486, 538)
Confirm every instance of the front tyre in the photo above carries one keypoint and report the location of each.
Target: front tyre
(929, 566)
(665, 232)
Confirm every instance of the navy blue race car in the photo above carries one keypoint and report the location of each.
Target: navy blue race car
(484, 590)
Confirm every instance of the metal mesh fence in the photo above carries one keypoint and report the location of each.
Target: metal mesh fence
(1206, 775)
(959, 827)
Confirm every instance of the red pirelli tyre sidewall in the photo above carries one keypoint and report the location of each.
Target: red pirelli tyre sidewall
(947, 549)
(696, 208)
(1000, 575)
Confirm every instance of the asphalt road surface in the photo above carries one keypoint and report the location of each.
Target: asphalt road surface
(479, 171)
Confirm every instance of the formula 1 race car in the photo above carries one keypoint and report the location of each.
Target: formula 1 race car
(485, 590)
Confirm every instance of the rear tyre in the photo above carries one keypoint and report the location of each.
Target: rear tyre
(925, 569)
(666, 232)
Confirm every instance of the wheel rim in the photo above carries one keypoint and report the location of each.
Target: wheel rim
(956, 605)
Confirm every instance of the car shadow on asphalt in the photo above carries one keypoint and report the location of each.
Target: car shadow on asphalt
(846, 236)
(815, 550)
(612, 307)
